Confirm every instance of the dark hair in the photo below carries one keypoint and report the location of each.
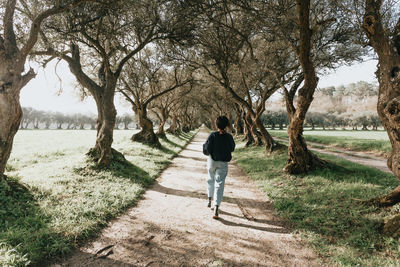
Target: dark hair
(222, 122)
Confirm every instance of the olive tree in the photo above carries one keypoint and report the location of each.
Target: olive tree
(145, 79)
(97, 41)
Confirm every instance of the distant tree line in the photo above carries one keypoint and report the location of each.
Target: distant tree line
(352, 106)
(278, 119)
(39, 119)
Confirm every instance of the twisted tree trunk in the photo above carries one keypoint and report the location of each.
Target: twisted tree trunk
(173, 128)
(247, 131)
(12, 80)
(388, 51)
(300, 159)
(238, 120)
(10, 118)
(163, 120)
(267, 139)
(102, 153)
(146, 135)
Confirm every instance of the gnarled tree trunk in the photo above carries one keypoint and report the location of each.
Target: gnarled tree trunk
(388, 107)
(173, 128)
(301, 160)
(238, 120)
(11, 82)
(163, 119)
(10, 118)
(267, 139)
(247, 130)
(146, 135)
(160, 131)
(103, 153)
(256, 135)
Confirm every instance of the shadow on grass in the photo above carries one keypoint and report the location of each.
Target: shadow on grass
(25, 227)
(165, 139)
(168, 151)
(342, 170)
(325, 201)
(121, 168)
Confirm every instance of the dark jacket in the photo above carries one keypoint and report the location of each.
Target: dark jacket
(219, 146)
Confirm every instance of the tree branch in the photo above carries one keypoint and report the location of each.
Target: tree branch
(10, 43)
(166, 91)
(36, 23)
(133, 52)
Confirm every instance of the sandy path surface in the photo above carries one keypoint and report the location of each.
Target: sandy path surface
(171, 225)
(359, 157)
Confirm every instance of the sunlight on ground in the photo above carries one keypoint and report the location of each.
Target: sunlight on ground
(377, 135)
(54, 200)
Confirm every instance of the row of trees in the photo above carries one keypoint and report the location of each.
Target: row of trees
(356, 121)
(351, 106)
(39, 119)
(198, 59)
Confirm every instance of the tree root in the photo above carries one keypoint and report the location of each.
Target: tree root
(173, 131)
(161, 135)
(312, 162)
(276, 147)
(386, 201)
(146, 137)
(94, 155)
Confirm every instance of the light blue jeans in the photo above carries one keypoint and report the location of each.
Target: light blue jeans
(217, 171)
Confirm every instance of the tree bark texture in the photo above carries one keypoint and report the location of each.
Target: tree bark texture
(388, 74)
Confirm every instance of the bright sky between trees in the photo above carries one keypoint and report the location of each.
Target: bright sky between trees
(43, 92)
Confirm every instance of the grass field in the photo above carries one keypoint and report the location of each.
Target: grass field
(324, 206)
(372, 141)
(52, 201)
(376, 135)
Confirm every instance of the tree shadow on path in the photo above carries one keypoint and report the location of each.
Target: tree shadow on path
(243, 203)
(279, 230)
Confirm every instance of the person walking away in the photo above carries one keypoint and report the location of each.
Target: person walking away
(218, 147)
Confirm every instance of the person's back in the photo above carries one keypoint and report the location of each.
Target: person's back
(218, 146)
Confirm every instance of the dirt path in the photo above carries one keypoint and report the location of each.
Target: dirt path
(354, 156)
(171, 226)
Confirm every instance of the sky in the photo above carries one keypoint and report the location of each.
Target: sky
(54, 88)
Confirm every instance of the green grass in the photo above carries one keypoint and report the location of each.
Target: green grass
(375, 135)
(324, 206)
(349, 141)
(53, 201)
